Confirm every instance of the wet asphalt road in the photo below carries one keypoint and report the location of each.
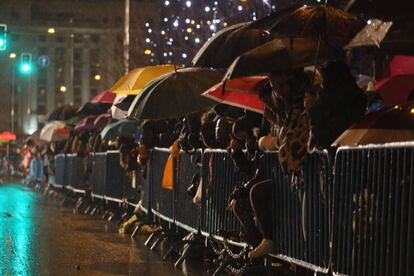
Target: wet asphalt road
(38, 237)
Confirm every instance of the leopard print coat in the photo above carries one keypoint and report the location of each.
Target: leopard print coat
(292, 139)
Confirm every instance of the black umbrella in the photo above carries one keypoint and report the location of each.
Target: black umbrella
(330, 24)
(236, 43)
(62, 113)
(280, 55)
(93, 109)
(88, 109)
(175, 95)
(210, 48)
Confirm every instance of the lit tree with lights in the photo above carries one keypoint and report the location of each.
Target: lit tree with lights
(186, 24)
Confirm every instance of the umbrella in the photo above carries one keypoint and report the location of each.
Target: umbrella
(119, 109)
(333, 25)
(86, 124)
(102, 121)
(62, 113)
(210, 48)
(371, 35)
(104, 97)
(175, 95)
(8, 136)
(392, 37)
(394, 124)
(133, 82)
(280, 55)
(54, 131)
(90, 108)
(398, 83)
(242, 92)
(124, 127)
(236, 43)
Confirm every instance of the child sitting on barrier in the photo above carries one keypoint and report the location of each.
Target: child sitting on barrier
(249, 163)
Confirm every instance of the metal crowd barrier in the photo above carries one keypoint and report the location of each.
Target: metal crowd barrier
(97, 176)
(187, 215)
(75, 174)
(60, 171)
(373, 228)
(220, 177)
(116, 179)
(357, 220)
(162, 200)
(301, 213)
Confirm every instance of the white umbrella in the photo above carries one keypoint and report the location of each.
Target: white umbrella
(116, 112)
(54, 131)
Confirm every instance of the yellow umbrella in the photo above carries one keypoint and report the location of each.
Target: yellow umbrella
(133, 82)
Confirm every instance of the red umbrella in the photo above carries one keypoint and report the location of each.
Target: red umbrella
(398, 83)
(86, 123)
(394, 124)
(241, 92)
(102, 121)
(8, 136)
(104, 97)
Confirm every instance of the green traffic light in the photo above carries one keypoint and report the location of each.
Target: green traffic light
(2, 44)
(25, 68)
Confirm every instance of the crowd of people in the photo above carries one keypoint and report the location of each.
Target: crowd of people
(305, 110)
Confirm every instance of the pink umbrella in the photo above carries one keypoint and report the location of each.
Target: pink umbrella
(398, 82)
(104, 97)
(86, 123)
(102, 121)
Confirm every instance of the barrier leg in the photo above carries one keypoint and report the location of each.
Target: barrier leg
(152, 236)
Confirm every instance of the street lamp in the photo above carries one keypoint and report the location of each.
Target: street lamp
(12, 56)
(97, 77)
(51, 30)
(62, 89)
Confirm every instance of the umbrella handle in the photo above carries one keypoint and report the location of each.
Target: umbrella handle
(223, 87)
(316, 58)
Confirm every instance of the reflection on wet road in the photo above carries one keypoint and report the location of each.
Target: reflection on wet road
(16, 224)
(37, 237)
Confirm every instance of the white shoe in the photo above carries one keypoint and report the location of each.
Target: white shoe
(265, 247)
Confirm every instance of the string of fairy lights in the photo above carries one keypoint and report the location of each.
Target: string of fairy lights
(185, 25)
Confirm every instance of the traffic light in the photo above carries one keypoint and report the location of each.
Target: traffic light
(26, 63)
(3, 37)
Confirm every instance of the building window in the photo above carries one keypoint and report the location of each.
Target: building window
(77, 55)
(77, 95)
(95, 39)
(60, 39)
(78, 38)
